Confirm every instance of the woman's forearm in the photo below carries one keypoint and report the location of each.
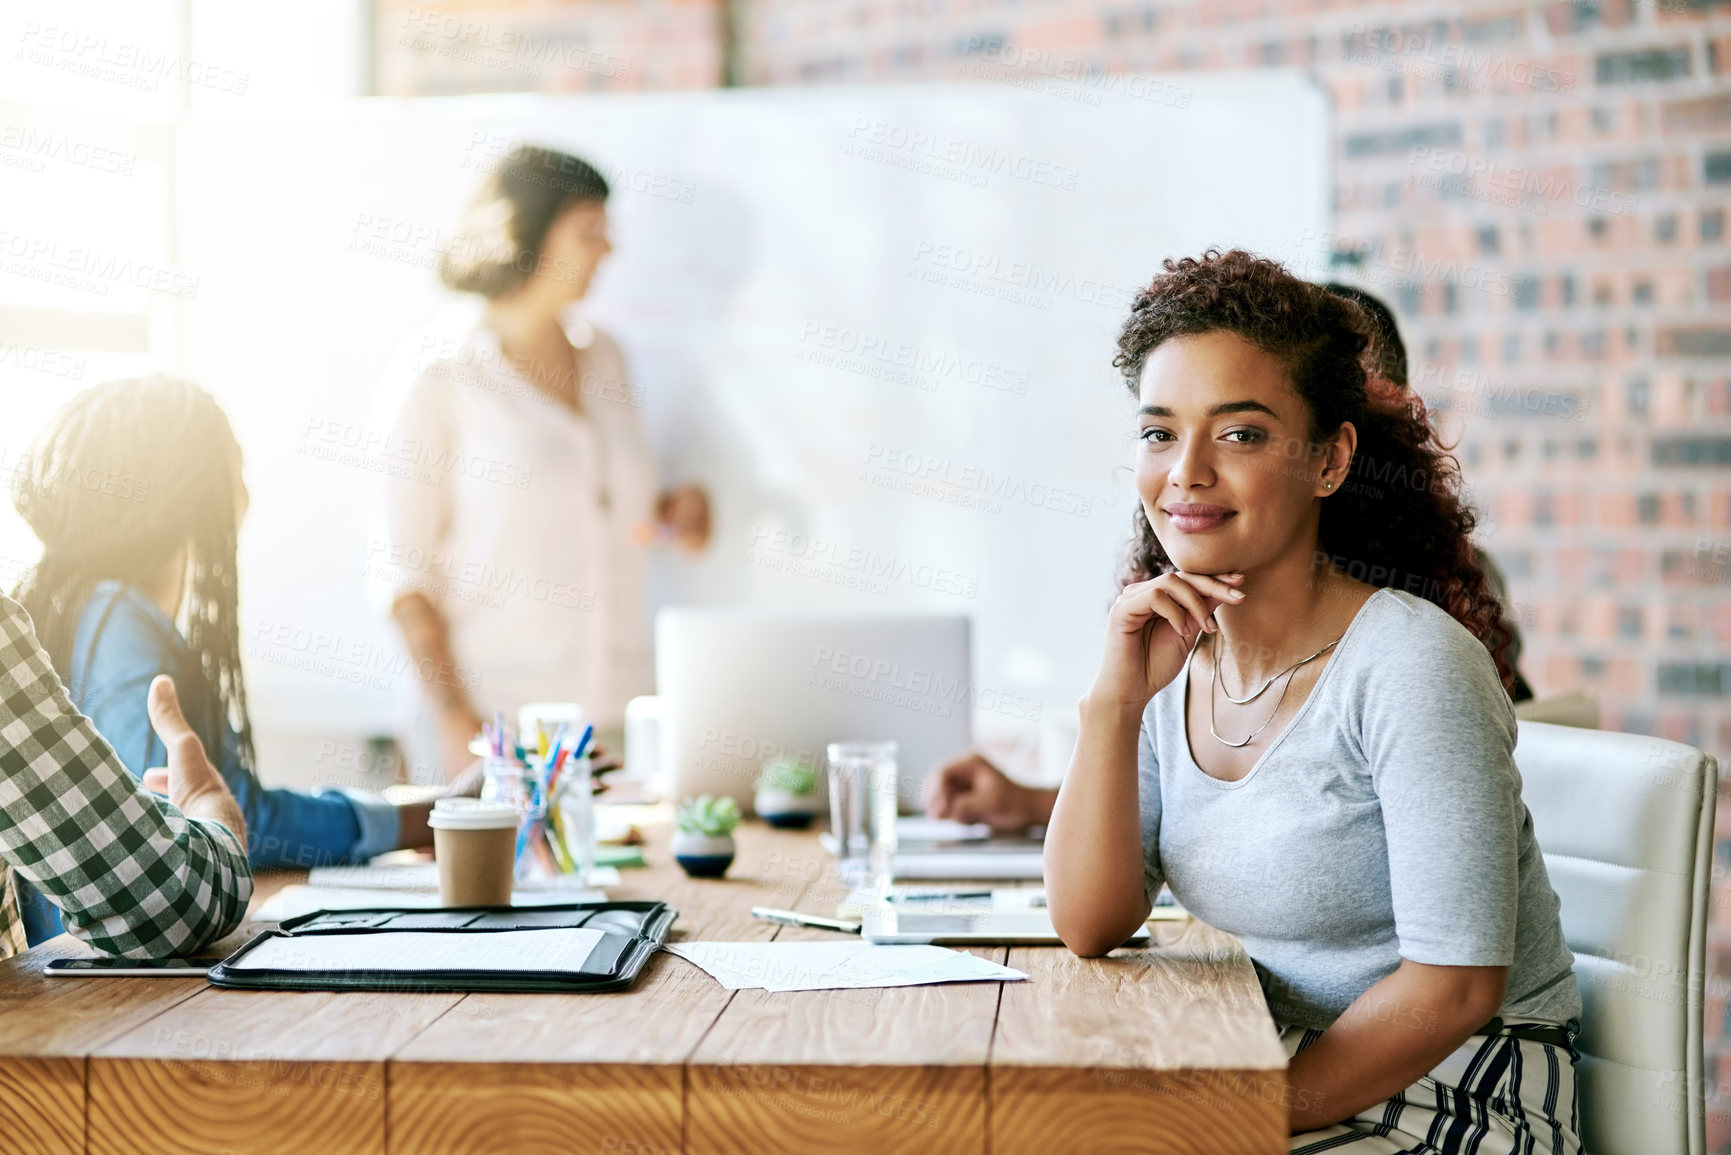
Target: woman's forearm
(429, 642)
(1393, 1033)
(1093, 860)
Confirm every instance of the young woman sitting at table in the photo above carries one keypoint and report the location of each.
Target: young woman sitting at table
(1318, 765)
(116, 579)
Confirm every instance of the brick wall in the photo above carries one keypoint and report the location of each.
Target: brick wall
(436, 49)
(1539, 190)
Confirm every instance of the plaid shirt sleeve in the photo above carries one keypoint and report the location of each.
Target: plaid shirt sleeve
(130, 873)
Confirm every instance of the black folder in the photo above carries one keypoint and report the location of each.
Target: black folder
(588, 946)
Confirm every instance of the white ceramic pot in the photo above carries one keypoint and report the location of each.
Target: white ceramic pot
(703, 855)
(781, 808)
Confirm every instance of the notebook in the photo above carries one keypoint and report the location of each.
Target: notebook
(574, 947)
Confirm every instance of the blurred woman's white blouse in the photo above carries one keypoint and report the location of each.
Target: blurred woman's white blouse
(524, 522)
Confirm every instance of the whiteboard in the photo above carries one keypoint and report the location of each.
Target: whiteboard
(877, 323)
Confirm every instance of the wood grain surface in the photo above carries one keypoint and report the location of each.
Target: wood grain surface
(891, 1070)
(48, 1026)
(1165, 1049)
(622, 1086)
(255, 1071)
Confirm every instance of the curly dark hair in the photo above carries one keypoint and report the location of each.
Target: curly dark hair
(123, 476)
(1399, 519)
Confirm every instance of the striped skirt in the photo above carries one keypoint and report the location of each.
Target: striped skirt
(1494, 1095)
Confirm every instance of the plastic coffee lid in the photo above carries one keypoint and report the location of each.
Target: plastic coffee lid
(472, 814)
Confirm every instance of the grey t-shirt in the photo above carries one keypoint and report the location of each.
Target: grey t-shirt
(1385, 822)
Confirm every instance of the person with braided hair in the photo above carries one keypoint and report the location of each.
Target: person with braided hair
(134, 489)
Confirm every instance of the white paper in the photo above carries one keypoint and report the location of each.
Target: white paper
(425, 876)
(294, 901)
(817, 966)
(1004, 865)
(939, 829)
(555, 949)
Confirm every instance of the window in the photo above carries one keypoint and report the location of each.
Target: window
(1643, 294)
(1647, 508)
(1629, 621)
(1665, 228)
(1712, 679)
(1410, 295)
(1712, 224)
(1642, 65)
(1637, 397)
(1488, 239)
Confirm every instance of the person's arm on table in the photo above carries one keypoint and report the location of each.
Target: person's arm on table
(971, 789)
(1096, 881)
(132, 874)
(1393, 1033)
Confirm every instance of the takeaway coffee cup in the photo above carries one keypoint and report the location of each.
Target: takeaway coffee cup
(475, 843)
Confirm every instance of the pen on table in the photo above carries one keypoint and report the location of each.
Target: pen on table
(794, 918)
(943, 895)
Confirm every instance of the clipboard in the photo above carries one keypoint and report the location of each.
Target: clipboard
(577, 947)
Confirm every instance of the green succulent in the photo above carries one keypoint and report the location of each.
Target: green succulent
(707, 815)
(790, 775)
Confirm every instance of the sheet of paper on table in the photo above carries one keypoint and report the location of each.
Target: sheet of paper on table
(559, 949)
(818, 966)
(294, 901)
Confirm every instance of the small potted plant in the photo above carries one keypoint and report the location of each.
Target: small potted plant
(703, 842)
(787, 793)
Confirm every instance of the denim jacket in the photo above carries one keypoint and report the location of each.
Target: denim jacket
(124, 640)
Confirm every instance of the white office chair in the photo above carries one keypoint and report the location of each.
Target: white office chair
(1625, 823)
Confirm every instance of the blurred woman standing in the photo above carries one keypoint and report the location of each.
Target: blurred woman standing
(515, 530)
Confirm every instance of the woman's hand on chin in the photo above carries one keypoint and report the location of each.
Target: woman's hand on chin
(1150, 632)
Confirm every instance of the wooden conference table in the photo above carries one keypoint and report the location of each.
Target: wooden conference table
(1169, 1049)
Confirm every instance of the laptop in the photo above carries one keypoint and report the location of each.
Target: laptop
(742, 685)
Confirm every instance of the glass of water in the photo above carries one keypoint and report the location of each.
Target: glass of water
(862, 811)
